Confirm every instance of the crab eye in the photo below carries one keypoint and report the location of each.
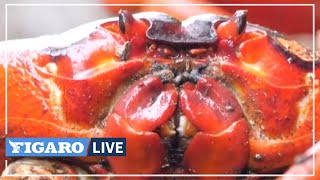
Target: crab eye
(122, 22)
(240, 18)
(125, 20)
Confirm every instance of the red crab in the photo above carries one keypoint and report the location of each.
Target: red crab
(208, 95)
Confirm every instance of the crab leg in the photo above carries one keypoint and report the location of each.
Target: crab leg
(223, 135)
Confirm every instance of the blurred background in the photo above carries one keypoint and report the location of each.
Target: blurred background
(32, 21)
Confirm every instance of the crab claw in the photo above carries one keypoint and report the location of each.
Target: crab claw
(214, 110)
(145, 154)
(146, 105)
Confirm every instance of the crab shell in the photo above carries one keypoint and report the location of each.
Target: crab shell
(240, 94)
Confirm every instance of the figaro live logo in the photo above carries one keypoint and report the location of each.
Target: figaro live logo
(55, 147)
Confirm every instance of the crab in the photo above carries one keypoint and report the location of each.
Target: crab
(208, 95)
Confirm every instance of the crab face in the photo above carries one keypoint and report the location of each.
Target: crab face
(209, 95)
